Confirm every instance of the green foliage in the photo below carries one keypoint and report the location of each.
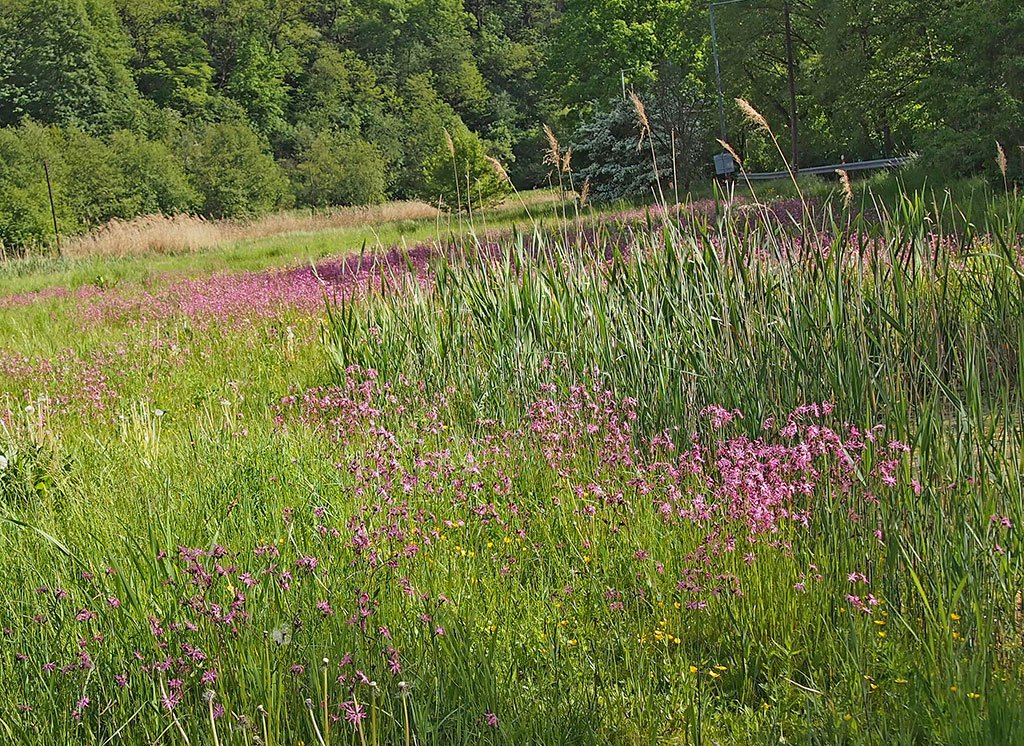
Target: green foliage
(601, 44)
(64, 62)
(864, 87)
(257, 83)
(428, 129)
(407, 38)
(173, 69)
(484, 482)
(25, 217)
(154, 175)
(233, 172)
(865, 80)
(337, 169)
(94, 180)
(94, 186)
(617, 155)
(973, 89)
(459, 175)
(341, 92)
(397, 73)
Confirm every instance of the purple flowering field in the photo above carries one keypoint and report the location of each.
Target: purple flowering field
(727, 475)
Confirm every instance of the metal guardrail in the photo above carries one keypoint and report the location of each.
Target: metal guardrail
(824, 170)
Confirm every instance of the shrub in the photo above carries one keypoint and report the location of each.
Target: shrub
(459, 175)
(154, 175)
(95, 188)
(338, 169)
(427, 170)
(94, 180)
(606, 148)
(24, 204)
(120, 177)
(233, 172)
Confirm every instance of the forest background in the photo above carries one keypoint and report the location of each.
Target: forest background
(236, 108)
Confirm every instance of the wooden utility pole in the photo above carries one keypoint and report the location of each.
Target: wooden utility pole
(791, 66)
(53, 207)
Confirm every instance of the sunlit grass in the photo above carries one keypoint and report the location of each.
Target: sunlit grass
(569, 487)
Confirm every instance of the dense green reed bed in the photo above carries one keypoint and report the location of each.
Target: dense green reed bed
(726, 482)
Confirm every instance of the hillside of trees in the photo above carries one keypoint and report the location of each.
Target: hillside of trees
(231, 108)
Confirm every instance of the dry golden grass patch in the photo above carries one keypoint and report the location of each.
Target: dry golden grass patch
(161, 234)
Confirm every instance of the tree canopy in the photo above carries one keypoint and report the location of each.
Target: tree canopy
(302, 94)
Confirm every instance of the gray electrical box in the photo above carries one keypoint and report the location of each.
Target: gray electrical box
(724, 164)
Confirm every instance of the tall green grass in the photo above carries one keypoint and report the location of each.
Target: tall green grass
(892, 321)
(749, 311)
(883, 319)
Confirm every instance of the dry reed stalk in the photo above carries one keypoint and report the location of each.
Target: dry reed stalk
(503, 174)
(739, 162)
(641, 111)
(554, 154)
(641, 117)
(755, 117)
(152, 234)
(645, 130)
(730, 151)
(1001, 162)
(554, 159)
(844, 180)
(498, 169)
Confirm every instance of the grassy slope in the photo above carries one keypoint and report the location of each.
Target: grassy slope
(114, 482)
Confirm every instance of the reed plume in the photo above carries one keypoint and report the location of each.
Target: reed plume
(728, 149)
(757, 119)
(844, 180)
(753, 115)
(554, 154)
(1003, 166)
(499, 169)
(641, 116)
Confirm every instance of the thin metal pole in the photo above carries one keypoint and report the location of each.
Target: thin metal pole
(675, 170)
(791, 66)
(53, 208)
(718, 71)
